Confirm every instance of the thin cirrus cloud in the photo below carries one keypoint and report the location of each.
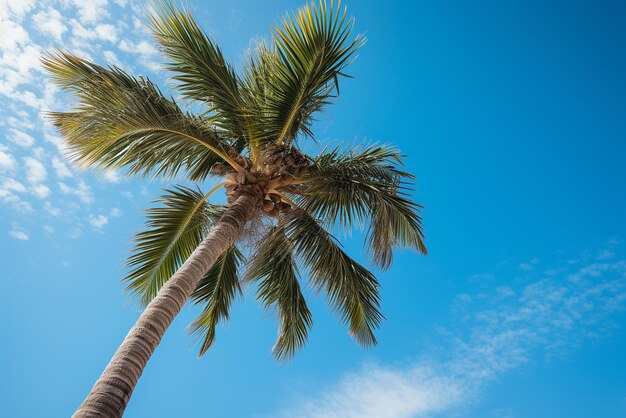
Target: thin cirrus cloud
(20, 138)
(500, 330)
(18, 232)
(32, 149)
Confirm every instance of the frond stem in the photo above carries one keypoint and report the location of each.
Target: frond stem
(213, 190)
(285, 198)
(281, 183)
(185, 223)
(226, 158)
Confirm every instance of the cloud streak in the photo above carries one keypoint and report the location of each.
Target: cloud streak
(497, 331)
(31, 149)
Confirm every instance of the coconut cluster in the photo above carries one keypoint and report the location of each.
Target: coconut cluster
(274, 166)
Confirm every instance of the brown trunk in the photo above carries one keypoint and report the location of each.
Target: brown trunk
(109, 396)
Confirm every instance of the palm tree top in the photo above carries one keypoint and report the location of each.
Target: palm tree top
(247, 134)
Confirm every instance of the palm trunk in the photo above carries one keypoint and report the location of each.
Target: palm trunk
(110, 395)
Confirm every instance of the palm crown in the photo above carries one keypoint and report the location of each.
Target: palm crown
(247, 135)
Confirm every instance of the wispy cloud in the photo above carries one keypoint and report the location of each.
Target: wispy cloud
(20, 138)
(82, 191)
(7, 161)
(18, 233)
(32, 149)
(499, 330)
(50, 22)
(97, 222)
(35, 170)
(530, 265)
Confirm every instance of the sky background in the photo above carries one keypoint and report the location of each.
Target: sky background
(512, 117)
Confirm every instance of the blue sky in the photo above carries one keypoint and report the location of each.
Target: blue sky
(511, 115)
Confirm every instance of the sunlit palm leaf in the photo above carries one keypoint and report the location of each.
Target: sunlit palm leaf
(257, 94)
(311, 49)
(351, 288)
(366, 183)
(251, 123)
(121, 121)
(217, 290)
(275, 271)
(172, 232)
(201, 71)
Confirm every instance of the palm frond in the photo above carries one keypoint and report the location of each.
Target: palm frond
(363, 184)
(201, 71)
(173, 231)
(121, 120)
(351, 288)
(256, 93)
(217, 290)
(310, 51)
(275, 269)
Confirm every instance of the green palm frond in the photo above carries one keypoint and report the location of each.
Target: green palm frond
(366, 183)
(310, 51)
(217, 290)
(201, 71)
(173, 231)
(122, 121)
(256, 93)
(251, 122)
(275, 270)
(351, 288)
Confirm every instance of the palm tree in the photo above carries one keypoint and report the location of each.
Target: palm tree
(247, 134)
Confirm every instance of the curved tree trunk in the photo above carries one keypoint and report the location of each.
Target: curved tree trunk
(109, 396)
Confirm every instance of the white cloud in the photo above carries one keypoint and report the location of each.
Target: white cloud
(35, 170)
(41, 191)
(7, 161)
(13, 35)
(507, 329)
(142, 47)
(91, 10)
(21, 121)
(377, 391)
(98, 221)
(106, 32)
(79, 31)
(50, 22)
(89, 28)
(16, 8)
(39, 153)
(19, 235)
(140, 26)
(83, 191)
(56, 140)
(26, 97)
(111, 58)
(51, 210)
(15, 202)
(110, 176)
(19, 66)
(20, 138)
(103, 31)
(13, 185)
(146, 51)
(61, 170)
(529, 265)
(48, 229)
